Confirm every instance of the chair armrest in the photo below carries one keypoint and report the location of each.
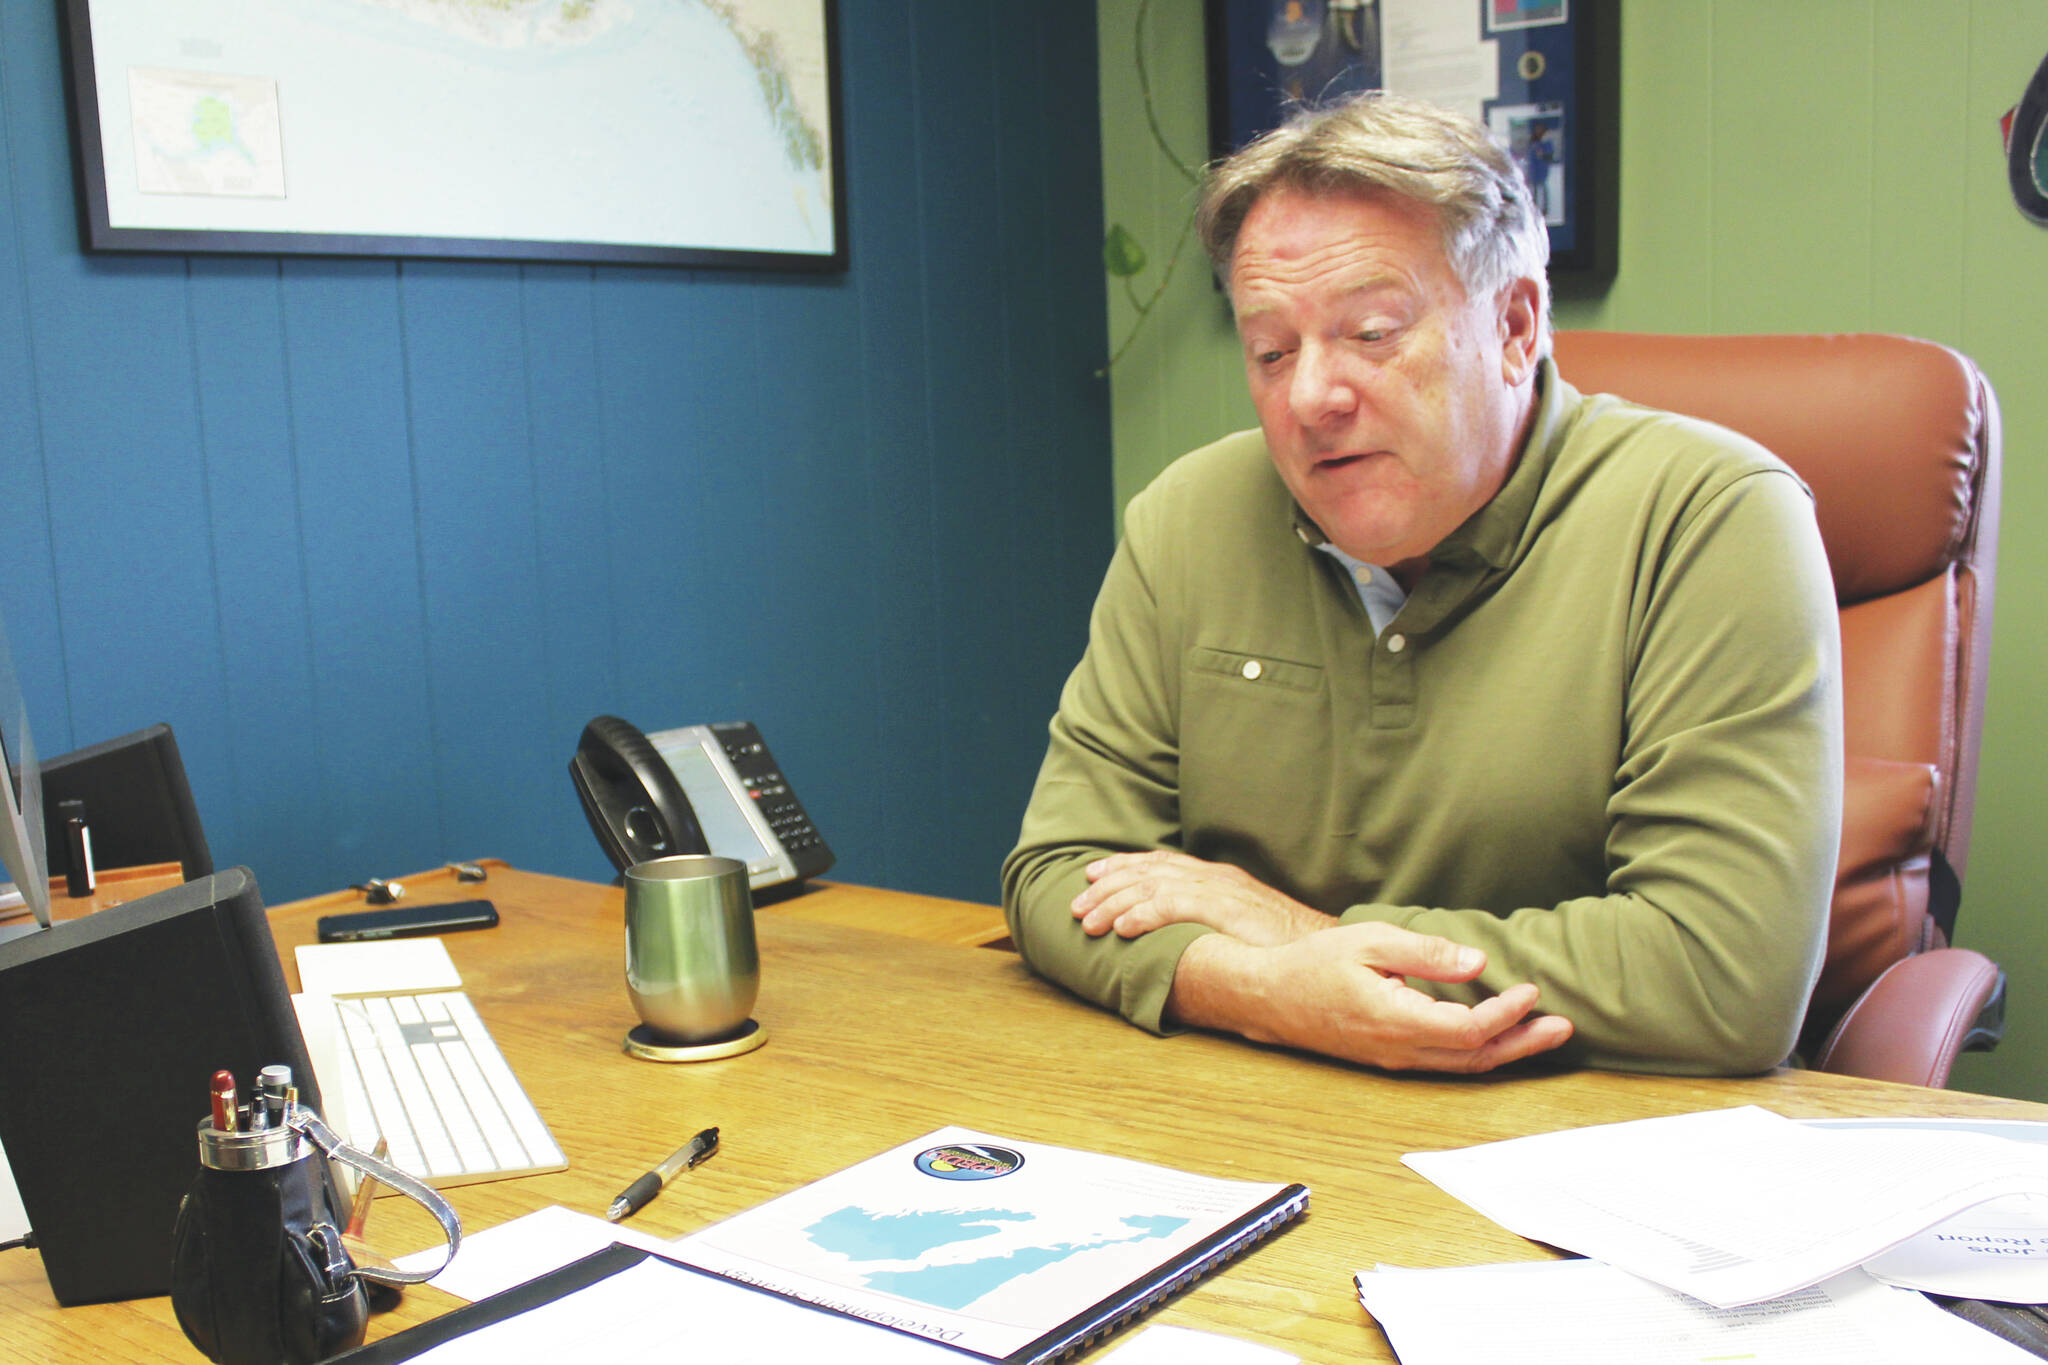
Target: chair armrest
(1916, 1017)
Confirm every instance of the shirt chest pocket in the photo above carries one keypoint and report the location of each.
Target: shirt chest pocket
(1256, 750)
(1261, 672)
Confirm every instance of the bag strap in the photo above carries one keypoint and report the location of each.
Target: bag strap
(303, 1120)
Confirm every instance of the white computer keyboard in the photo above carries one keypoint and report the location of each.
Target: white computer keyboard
(422, 1072)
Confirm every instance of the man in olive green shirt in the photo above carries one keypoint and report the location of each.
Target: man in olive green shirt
(1448, 690)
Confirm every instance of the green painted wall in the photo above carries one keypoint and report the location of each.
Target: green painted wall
(1831, 165)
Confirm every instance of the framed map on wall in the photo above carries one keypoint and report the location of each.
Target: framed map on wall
(670, 132)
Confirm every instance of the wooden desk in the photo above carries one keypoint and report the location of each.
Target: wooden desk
(112, 887)
(903, 913)
(874, 1040)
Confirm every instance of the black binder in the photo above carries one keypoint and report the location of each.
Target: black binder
(111, 1028)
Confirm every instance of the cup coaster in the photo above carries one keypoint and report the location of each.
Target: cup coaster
(644, 1043)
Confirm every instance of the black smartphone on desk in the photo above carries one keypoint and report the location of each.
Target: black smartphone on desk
(407, 921)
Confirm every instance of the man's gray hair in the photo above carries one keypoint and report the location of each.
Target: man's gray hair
(1384, 144)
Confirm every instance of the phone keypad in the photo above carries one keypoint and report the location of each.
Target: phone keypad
(778, 805)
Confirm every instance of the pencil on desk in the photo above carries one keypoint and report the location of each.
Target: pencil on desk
(359, 1210)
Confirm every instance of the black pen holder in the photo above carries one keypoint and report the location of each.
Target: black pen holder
(259, 1273)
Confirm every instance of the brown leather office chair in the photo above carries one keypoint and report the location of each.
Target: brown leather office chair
(1899, 441)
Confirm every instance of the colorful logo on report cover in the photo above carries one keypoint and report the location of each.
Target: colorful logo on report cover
(968, 1161)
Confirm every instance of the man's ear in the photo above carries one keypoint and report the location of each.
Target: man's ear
(1521, 330)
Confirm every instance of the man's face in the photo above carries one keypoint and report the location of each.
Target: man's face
(1394, 405)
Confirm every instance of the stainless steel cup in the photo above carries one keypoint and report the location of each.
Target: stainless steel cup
(692, 967)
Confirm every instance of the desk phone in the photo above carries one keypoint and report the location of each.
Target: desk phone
(697, 789)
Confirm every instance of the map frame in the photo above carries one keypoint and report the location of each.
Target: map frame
(508, 240)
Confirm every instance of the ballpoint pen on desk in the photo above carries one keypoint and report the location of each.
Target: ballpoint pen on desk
(642, 1191)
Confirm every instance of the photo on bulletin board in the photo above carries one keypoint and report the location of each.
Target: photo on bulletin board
(1541, 75)
(662, 132)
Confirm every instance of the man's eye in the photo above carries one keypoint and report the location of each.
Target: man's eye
(1271, 357)
(1373, 334)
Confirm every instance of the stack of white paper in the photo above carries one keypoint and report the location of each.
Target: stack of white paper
(1736, 1206)
(1586, 1313)
(1731, 1234)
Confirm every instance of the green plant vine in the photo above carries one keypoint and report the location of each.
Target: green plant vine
(1123, 256)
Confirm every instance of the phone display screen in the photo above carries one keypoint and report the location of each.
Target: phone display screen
(726, 827)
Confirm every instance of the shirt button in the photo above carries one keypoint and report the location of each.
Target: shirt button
(1396, 643)
(1252, 669)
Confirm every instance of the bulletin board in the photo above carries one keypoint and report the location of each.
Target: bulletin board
(1541, 74)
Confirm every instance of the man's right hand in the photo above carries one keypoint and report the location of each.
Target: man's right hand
(1343, 991)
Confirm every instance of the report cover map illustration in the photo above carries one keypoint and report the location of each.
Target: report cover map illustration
(981, 1242)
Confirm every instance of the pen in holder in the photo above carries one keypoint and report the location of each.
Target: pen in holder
(259, 1274)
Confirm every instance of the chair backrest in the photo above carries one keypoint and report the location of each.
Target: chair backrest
(1899, 441)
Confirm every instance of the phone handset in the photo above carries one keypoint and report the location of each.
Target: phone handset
(636, 807)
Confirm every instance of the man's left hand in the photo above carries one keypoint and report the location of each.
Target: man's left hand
(1135, 893)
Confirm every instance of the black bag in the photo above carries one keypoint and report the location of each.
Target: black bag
(259, 1275)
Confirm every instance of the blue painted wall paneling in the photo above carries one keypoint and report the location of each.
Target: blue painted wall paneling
(377, 537)
(972, 441)
(259, 571)
(479, 567)
(345, 352)
(573, 644)
(889, 196)
(33, 629)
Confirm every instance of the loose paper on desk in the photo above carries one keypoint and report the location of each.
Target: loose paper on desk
(1733, 1206)
(988, 1243)
(1586, 1313)
(1996, 1251)
(497, 1258)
